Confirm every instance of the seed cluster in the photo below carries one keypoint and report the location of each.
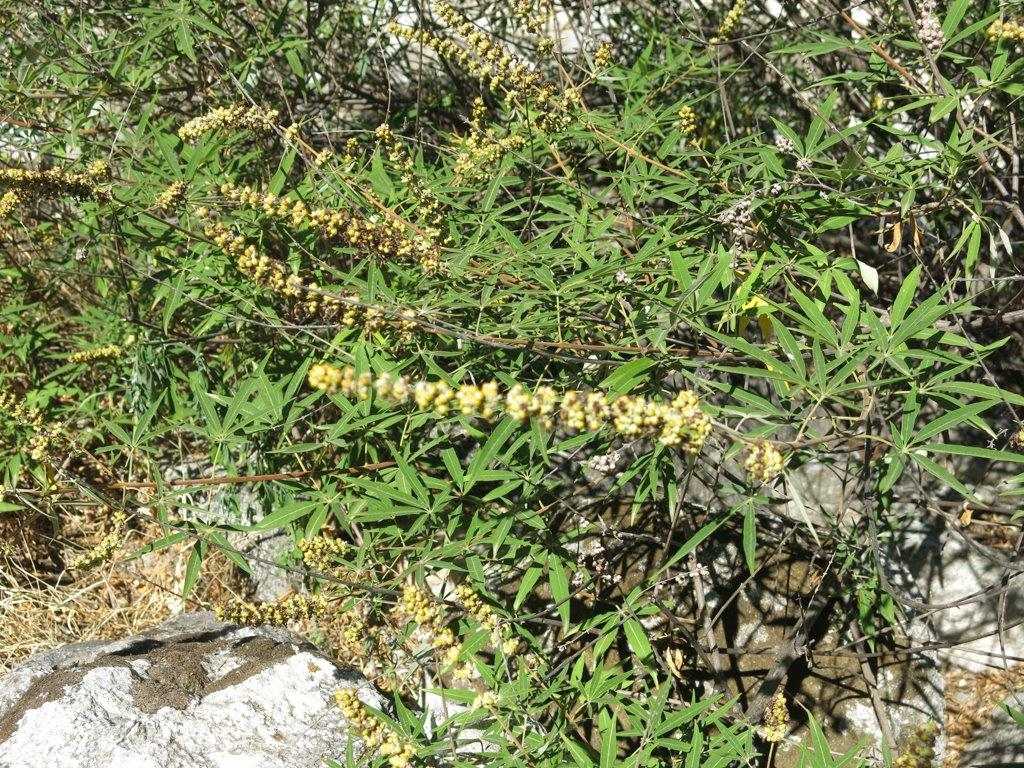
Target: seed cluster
(106, 548)
(1010, 31)
(534, 16)
(929, 28)
(319, 552)
(730, 22)
(919, 751)
(377, 736)
(679, 423)
(9, 201)
(776, 720)
(784, 144)
(106, 352)
(30, 418)
(603, 56)
(305, 297)
(386, 239)
(172, 197)
(687, 120)
(281, 613)
(54, 182)
(481, 151)
(490, 62)
(233, 118)
(738, 218)
(428, 207)
(488, 619)
(764, 462)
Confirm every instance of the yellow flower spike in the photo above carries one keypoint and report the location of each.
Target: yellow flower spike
(764, 462)
(679, 423)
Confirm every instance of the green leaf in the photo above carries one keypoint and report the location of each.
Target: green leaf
(609, 739)
(904, 297)
(750, 537)
(636, 636)
(559, 584)
(627, 376)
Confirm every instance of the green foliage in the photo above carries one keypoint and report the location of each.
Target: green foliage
(823, 259)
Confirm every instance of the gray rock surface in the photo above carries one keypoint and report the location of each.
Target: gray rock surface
(191, 693)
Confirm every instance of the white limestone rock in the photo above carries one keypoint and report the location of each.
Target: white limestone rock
(192, 693)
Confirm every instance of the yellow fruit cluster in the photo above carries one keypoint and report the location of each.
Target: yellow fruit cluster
(106, 548)
(319, 552)
(687, 121)
(919, 751)
(386, 239)
(764, 462)
(377, 736)
(172, 197)
(533, 15)
(480, 152)
(107, 352)
(54, 182)
(306, 298)
(428, 207)
(30, 418)
(490, 62)
(488, 619)
(234, 118)
(776, 719)
(9, 201)
(731, 20)
(678, 423)
(1010, 31)
(285, 611)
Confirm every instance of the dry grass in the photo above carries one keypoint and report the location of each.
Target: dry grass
(971, 700)
(44, 605)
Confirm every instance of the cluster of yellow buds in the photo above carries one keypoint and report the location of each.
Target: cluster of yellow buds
(481, 151)
(428, 207)
(533, 14)
(375, 734)
(351, 152)
(30, 418)
(419, 607)
(285, 611)
(172, 197)
(677, 423)
(764, 462)
(9, 201)
(490, 62)
(687, 120)
(54, 182)
(386, 239)
(776, 719)
(1017, 441)
(106, 547)
(603, 56)
(731, 20)
(106, 352)
(234, 118)
(485, 700)
(488, 619)
(1010, 31)
(355, 638)
(319, 552)
(919, 751)
(306, 297)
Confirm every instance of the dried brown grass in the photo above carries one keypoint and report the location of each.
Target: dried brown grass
(44, 605)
